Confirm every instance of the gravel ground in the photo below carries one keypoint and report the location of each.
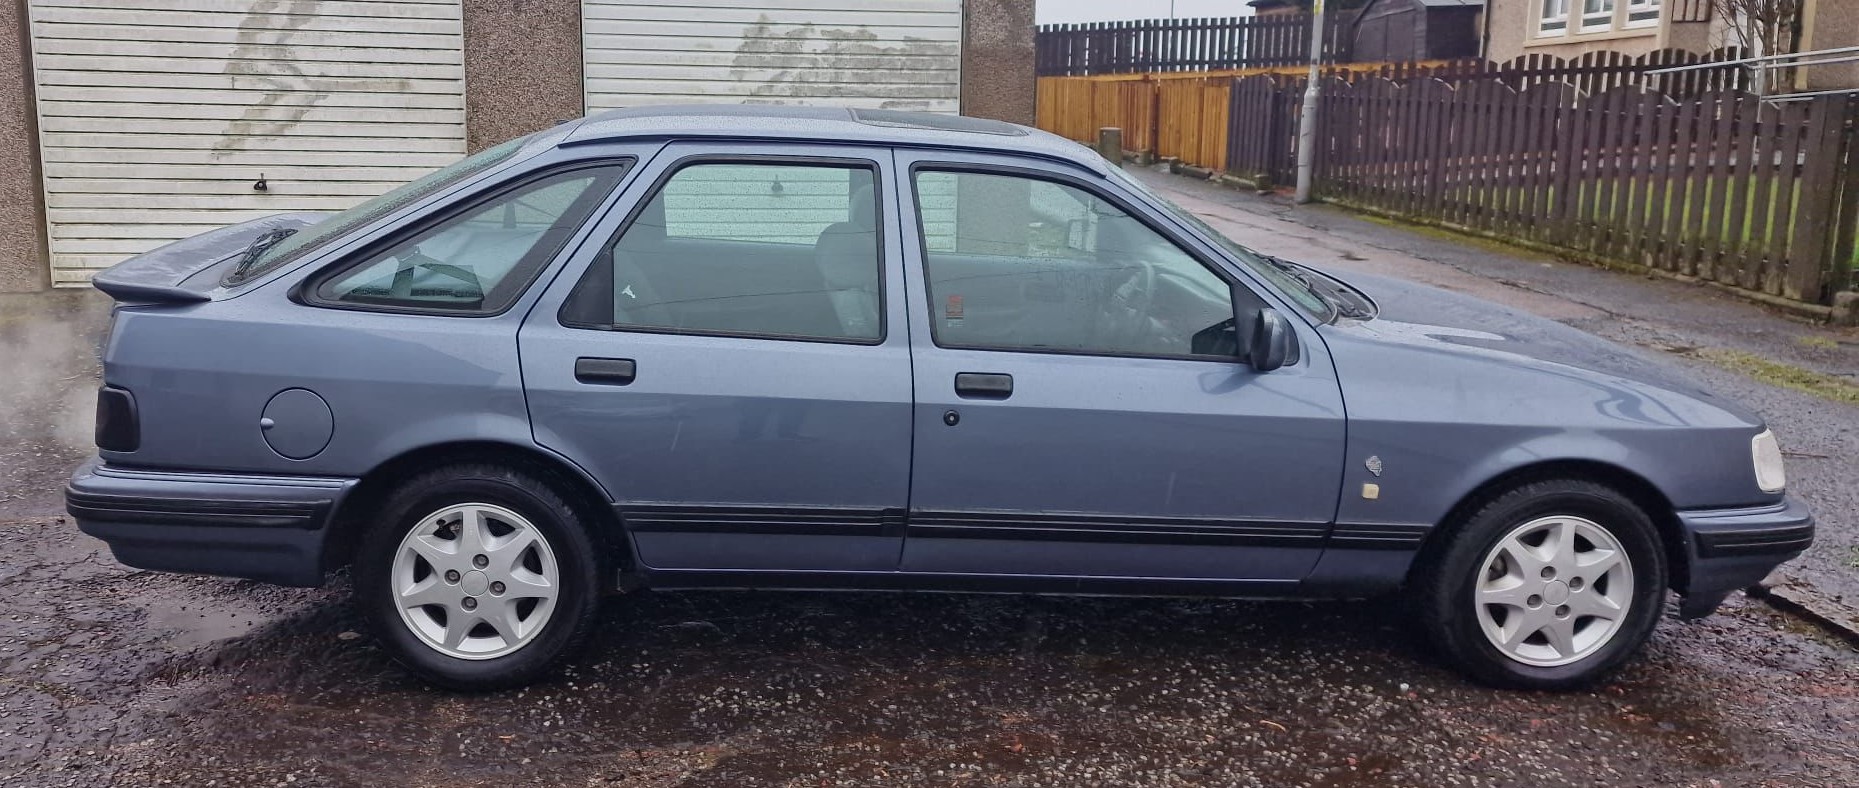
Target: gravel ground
(111, 676)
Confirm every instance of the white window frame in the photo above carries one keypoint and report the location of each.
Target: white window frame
(1648, 11)
(1552, 18)
(1564, 19)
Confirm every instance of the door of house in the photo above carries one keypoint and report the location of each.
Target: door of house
(161, 121)
(842, 52)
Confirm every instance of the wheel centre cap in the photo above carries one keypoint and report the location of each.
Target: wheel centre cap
(1555, 593)
(475, 583)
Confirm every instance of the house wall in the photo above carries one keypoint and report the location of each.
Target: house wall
(1829, 24)
(997, 60)
(522, 67)
(22, 217)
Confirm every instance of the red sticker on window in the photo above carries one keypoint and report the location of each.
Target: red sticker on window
(954, 309)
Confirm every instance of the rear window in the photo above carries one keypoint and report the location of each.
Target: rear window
(340, 224)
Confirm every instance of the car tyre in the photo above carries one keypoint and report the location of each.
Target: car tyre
(1552, 585)
(478, 532)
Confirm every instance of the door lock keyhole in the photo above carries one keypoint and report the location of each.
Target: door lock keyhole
(951, 418)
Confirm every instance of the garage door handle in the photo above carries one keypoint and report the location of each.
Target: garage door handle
(605, 371)
(983, 385)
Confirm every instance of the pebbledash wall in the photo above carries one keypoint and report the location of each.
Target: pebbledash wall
(128, 124)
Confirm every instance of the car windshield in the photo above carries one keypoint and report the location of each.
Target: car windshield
(1294, 287)
(337, 225)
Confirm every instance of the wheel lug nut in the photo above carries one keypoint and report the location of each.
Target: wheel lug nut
(469, 603)
(1534, 601)
(451, 575)
(480, 562)
(496, 588)
(1549, 573)
(1562, 611)
(1575, 584)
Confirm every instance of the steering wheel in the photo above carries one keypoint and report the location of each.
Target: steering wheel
(1126, 310)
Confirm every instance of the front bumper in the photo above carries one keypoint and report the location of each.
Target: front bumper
(1732, 549)
(268, 528)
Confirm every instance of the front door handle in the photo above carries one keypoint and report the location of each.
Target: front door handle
(605, 371)
(983, 385)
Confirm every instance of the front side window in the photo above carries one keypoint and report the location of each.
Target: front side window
(479, 260)
(760, 249)
(1018, 263)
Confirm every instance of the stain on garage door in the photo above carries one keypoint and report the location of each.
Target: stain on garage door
(895, 54)
(158, 118)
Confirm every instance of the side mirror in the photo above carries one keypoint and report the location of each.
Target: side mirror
(1272, 341)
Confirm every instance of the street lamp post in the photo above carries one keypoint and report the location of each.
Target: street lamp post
(1307, 119)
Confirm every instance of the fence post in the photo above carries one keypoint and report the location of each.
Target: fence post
(1846, 223)
(1110, 144)
(1808, 254)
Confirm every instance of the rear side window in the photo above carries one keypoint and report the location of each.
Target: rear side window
(480, 259)
(763, 249)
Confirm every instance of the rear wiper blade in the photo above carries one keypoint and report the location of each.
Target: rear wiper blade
(259, 247)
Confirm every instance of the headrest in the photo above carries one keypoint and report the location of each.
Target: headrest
(863, 214)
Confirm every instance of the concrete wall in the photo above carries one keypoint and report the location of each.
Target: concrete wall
(22, 214)
(522, 67)
(1829, 24)
(997, 60)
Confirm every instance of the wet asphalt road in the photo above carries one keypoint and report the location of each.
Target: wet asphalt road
(111, 676)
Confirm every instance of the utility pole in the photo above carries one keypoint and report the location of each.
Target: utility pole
(1307, 119)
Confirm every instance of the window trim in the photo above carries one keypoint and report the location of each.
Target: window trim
(309, 290)
(696, 159)
(1233, 282)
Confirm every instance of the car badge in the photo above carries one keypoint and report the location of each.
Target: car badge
(1374, 464)
(628, 292)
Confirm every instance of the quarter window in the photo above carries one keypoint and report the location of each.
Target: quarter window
(747, 249)
(480, 260)
(1023, 264)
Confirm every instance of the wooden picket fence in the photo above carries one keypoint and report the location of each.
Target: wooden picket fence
(1713, 182)
(1200, 44)
(1721, 186)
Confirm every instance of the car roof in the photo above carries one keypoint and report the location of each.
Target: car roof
(828, 124)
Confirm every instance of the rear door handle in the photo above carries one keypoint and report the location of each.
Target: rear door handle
(605, 371)
(983, 385)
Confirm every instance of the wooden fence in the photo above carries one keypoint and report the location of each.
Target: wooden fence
(1723, 186)
(1165, 45)
(1718, 185)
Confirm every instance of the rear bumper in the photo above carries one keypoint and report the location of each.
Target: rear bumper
(1731, 549)
(268, 528)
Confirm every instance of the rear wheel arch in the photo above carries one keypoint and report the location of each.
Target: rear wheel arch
(589, 499)
(1635, 487)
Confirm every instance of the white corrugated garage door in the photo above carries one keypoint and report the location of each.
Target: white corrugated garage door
(158, 117)
(895, 54)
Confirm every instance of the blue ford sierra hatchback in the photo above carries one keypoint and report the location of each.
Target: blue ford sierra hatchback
(750, 347)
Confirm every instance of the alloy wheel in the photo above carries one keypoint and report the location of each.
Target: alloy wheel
(1553, 591)
(475, 581)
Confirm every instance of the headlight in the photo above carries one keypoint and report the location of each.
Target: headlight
(1767, 455)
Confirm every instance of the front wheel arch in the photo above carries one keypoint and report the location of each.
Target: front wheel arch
(1634, 486)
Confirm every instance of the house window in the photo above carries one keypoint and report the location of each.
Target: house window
(1597, 15)
(1643, 13)
(1563, 18)
(1555, 21)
